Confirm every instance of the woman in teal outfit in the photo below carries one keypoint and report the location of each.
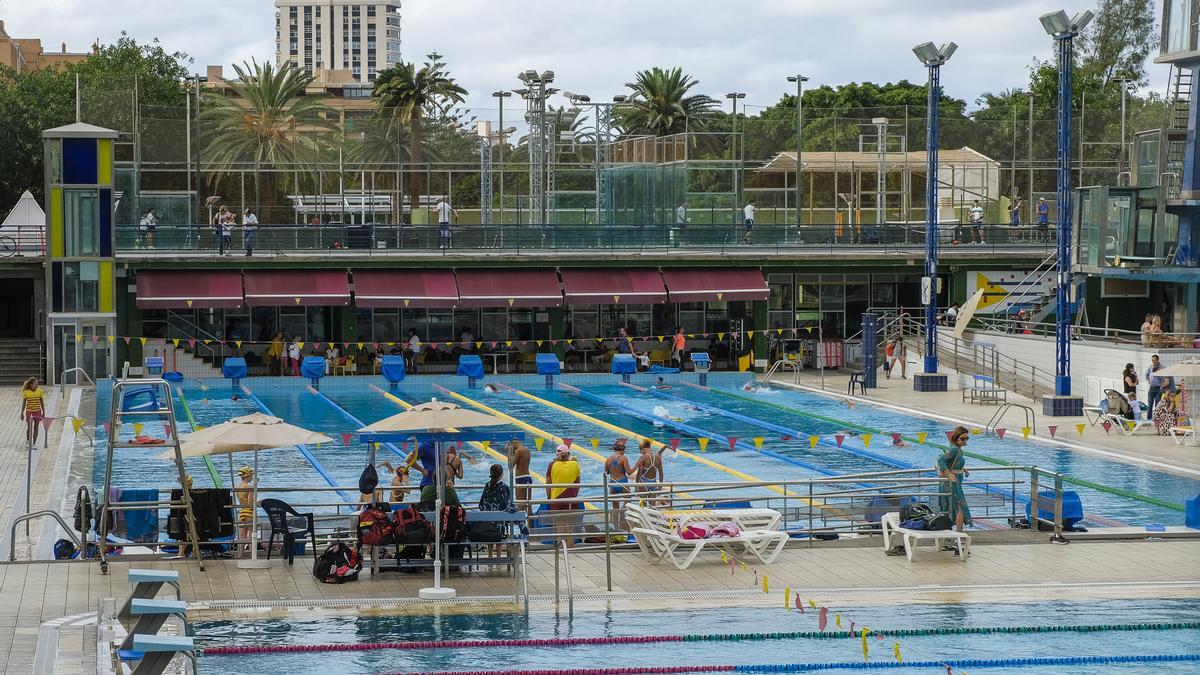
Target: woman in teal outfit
(950, 467)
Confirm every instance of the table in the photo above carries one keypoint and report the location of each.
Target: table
(495, 356)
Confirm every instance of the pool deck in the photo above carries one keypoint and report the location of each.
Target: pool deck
(1145, 447)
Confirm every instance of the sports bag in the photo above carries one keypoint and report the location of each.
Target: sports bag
(485, 532)
(938, 521)
(374, 527)
(338, 564)
(915, 511)
(454, 524)
(410, 527)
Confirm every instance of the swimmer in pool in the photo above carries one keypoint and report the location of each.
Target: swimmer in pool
(660, 384)
(848, 403)
(749, 387)
(490, 389)
(233, 398)
(847, 432)
(898, 442)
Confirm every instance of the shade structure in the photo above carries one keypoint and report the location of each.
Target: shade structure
(405, 288)
(430, 416)
(297, 288)
(187, 290)
(613, 286)
(715, 285)
(1186, 369)
(508, 288)
(968, 310)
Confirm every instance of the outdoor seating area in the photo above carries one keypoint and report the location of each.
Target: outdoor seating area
(680, 536)
(890, 525)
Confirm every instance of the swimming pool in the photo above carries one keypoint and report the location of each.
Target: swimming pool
(1110, 489)
(484, 625)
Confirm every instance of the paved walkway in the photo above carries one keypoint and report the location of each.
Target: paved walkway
(1145, 446)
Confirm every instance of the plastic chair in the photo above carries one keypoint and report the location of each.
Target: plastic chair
(278, 512)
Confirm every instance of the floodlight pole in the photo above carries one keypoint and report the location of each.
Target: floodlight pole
(1062, 333)
(799, 80)
(931, 215)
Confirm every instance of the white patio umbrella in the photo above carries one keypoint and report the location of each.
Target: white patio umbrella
(249, 433)
(1188, 369)
(433, 417)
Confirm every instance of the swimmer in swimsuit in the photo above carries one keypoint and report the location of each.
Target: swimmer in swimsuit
(618, 470)
(245, 497)
(518, 464)
(649, 467)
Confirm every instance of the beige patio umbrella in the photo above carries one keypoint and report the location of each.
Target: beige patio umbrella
(968, 310)
(249, 433)
(432, 417)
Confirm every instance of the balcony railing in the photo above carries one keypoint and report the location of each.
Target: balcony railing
(409, 239)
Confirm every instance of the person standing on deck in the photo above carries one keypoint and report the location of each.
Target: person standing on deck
(277, 355)
(245, 499)
(952, 470)
(444, 212)
(1043, 219)
(518, 463)
(293, 352)
(678, 345)
(412, 350)
(564, 471)
(249, 231)
(748, 220)
(617, 468)
(33, 409)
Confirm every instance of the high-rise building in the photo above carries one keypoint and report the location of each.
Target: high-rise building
(324, 35)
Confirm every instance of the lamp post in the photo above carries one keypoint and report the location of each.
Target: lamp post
(733, 97)
(1064, 30)
(500, 96)
(881, 125)
(799, 80)
(933, 58)
(1123, 81)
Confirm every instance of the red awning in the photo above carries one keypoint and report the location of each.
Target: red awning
(303, 288)
(186, 290)
(404, 288)
(508, 288)
(708, 285)
(616, 286)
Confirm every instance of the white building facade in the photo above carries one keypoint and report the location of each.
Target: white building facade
(360, 37)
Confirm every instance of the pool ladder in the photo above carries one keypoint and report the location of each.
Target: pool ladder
(784, 365)
(562, 544)
(1030, 418)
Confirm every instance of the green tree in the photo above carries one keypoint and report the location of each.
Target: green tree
(410, 94)
(266, 124)
(1118, 42)
(661, 104)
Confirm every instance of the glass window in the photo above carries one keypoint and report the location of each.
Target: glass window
(663, 319)
(293, 322)
(716, 318)
(781, 292)
(319, 328)
(612, 317)
(80, 230)
(265, 321)
(520, 324)
(237, 325)
(81, 289)
(384, 326)
(54, 159)
(833, 296)
(440, 325)
(883, 295)
(583, 322)
(637, 320)
(1178, 24)
(691, 317)
(807, 296)
(493, 325)
(154, 323)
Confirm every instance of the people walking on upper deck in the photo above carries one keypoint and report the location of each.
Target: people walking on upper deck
(748, 212)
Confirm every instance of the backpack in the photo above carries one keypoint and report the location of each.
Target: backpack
(374, 527)
(454, 524)
(485, 532)
(83, 510)
(915, 511)
(410, 527)
(338, 564)
(368, 481)
(64, 549)
(938, 521)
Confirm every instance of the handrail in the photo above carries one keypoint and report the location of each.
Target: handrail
(562, 544)
(12, 532)
(992, 358)
(998, 416)
(785, 365)
(189, 328)
(64, 373)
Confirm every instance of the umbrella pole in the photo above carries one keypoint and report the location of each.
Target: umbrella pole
(254, 563)
(437, 592)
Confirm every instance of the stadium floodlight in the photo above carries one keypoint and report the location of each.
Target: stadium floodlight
(620, 98)
(1057, 24)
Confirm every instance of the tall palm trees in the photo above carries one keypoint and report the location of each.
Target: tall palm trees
(266, 122)
(660, 104)
(409, 94)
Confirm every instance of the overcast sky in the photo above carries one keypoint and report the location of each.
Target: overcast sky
(595, 47)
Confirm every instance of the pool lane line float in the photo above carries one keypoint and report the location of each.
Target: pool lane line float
(715, 637)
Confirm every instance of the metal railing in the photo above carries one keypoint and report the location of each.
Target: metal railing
(1013, 326)
(26, 517)
(998, 416)
(372, 240)
(17, 241)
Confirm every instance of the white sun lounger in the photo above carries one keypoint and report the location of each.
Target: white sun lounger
(891, 527)
(1181, 434)
(658, 536)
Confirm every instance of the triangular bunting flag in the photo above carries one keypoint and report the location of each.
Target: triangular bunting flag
(703, 441)
(758, 441)
(137, 428)
(839, 438)
(949, 436)
(921, 436)
(1106, 425)
(799, 605)
(1053, 430)
(538, 441)
(837, 620)
(813, 440)
(175, 342)
(238, 343)
(787, 598)
(823, 619)
(46, 422)
(538, 342)
(126, 339)
(766, 584)
(675, 444)
(1080, 428)
(595, 443)
(721, 337)
(567, 441)
(785, 438)
(896, 651)
(750, 334)
(485, 445)
(76, 424)
(316, 345)
(1000, 432)
(346, 439)
(976, 432)
(1025, 431)
(866, 439)
(812, 603)
(733, 442)
(112, 337)
(508, 343)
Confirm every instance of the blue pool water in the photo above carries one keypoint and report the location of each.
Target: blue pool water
(342, 628)
(340, 465)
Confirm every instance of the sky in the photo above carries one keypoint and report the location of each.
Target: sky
(596, 47)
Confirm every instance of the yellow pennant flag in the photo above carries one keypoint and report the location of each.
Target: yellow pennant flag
(724, 558)
(485, 445)
(864, 645)
(358, 344)
(721, 337)
(569, 342)
(787, 598)
(143, 341)
(758, 441)
(812, 441)
(113, 337)
(703, 441)
(976, 432)
(175, 341)
(812, 603)
(1025, 431)
(209, 341)
(137, 428)
(478, 345)
(238, 343)
(896, 651)
(299, 345)
(539, 342)
(78, 337)
(508, 343)
(76, 424)
(750, 334)
(538, 441)
(866, 439)
(1080, 428)
(766, 586)
(837, 620)
(921, 435)
(595, 443)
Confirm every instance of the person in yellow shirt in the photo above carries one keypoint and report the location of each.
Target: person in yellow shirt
(33, 408)
(275, 354)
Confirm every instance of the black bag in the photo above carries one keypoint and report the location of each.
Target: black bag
(83, 510)
(454, 524)
(410, 527)
(938, 521)
(368, 481)
(915, 511)
(484, 532)
(338, 564)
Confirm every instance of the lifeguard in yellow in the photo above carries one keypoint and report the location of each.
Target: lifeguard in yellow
(564, 471)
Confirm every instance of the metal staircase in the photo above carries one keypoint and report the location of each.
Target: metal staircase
(1181, 95)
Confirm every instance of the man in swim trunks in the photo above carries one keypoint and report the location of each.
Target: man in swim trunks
(564, 470)
(618, 470)
(518, 464)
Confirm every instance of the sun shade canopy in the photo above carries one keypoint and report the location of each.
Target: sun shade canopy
(405, 288)
(297, 288)
(715, 285)
(615, 286)
(186, 290)
(508, 288)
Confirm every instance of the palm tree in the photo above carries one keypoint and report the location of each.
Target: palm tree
(660, 104)
(410, 94)
(266, 123)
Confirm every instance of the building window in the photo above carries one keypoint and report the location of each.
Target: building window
(81, 231)
(370, 10)
(393, 45)
(81, 286)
